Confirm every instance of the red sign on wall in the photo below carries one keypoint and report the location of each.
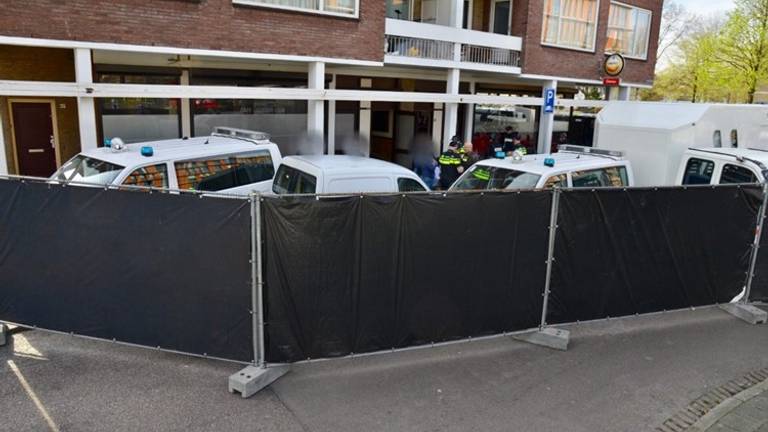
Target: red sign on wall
(612, 82)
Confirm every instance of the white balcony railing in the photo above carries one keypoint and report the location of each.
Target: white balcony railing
(434, 45)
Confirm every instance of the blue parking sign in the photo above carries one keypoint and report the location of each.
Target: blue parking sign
(549, 101)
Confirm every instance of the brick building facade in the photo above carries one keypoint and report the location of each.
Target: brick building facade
(365, 76)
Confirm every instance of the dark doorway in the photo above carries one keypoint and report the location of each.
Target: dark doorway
(34, 138)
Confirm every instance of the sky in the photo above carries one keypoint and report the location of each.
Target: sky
(706, 7)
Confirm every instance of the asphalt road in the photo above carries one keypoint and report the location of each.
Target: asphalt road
(621, 375)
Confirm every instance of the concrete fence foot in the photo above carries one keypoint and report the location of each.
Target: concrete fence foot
(547, 337)
(250, 380)
(4, 334)
(746, 312)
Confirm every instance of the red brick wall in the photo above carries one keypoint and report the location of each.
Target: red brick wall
(541, 60)
(205, 24)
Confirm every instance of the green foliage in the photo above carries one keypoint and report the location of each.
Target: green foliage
(718, 61)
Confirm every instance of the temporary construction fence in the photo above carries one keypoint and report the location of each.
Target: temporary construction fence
(273, 280)
(167, 271)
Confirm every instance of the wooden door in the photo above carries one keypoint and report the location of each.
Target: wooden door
(34, 138)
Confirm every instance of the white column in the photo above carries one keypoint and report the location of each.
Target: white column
(86, 107)
(365, 117)
(3, 159)
(315, 108)
(547, 121)
(186, 109)
(437, 128)
(365, 124)
(451, 110)
(457, 13)
(332, 119)
(624, 93)
(469, 116)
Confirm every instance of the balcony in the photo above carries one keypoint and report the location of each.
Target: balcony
(433, 45)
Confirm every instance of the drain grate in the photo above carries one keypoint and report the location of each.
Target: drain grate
(697, 409)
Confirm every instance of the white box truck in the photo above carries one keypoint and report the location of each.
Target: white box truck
(659, 138)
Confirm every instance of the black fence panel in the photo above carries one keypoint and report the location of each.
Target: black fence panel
(760, 283)
(158, 270)
(361, 274)
(624, 252)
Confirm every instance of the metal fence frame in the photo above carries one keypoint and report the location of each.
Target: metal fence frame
(267, 373)
(550, 260)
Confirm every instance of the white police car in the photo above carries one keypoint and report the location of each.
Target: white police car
(572, 166)
(230, 160)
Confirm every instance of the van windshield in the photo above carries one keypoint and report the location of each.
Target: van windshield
(289, 180)
(84, 169)
(481, 177)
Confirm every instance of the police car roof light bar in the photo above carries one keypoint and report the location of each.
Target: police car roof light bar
(589, 150)
(241, 133)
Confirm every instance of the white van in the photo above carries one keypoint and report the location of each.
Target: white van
(234, 161)
(336, 174)
(572, 166)
(655, 136)
(713, 166)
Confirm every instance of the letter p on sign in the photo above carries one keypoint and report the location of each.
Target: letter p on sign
(549, 101)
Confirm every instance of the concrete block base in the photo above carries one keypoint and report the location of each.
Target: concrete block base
(746, 312)
(4, 335)
(548, 337)
(250, 380)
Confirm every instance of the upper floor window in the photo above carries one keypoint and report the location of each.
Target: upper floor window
(344, 8)
(629, 30)
(570, 24)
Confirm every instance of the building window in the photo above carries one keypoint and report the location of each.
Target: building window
(570, 24)
(344, 8)
(284, 120)
(629, 29)
(139, 119)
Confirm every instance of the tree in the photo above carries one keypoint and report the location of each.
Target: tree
(676, 22)
(744, 44)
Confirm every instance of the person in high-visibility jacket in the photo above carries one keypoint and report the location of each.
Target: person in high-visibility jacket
(451, 163)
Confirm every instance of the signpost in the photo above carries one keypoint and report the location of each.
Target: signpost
(549, 101)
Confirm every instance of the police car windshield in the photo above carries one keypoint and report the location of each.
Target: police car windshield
(487, 178)
(86, 169)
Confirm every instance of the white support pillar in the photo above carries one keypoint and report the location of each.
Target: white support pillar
(624, 93)
(457, 13)
(547, 120)
(3, 159)
(186, 108)
(332, 119)
(86, 106)
(315, 108)
(469, 116)
(365, 123)
(451, 110)
(437, 128)
(364, 118)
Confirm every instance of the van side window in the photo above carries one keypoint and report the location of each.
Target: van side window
(559, 180)
(734, 174)
(734, 138)
(603, 177)
(717, 139)
(149, 176)
(698, 171)
(289, 180)
(405, 184)
(224, 172)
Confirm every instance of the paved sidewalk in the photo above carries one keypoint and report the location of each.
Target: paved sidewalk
(745, 412)
(620, 375)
